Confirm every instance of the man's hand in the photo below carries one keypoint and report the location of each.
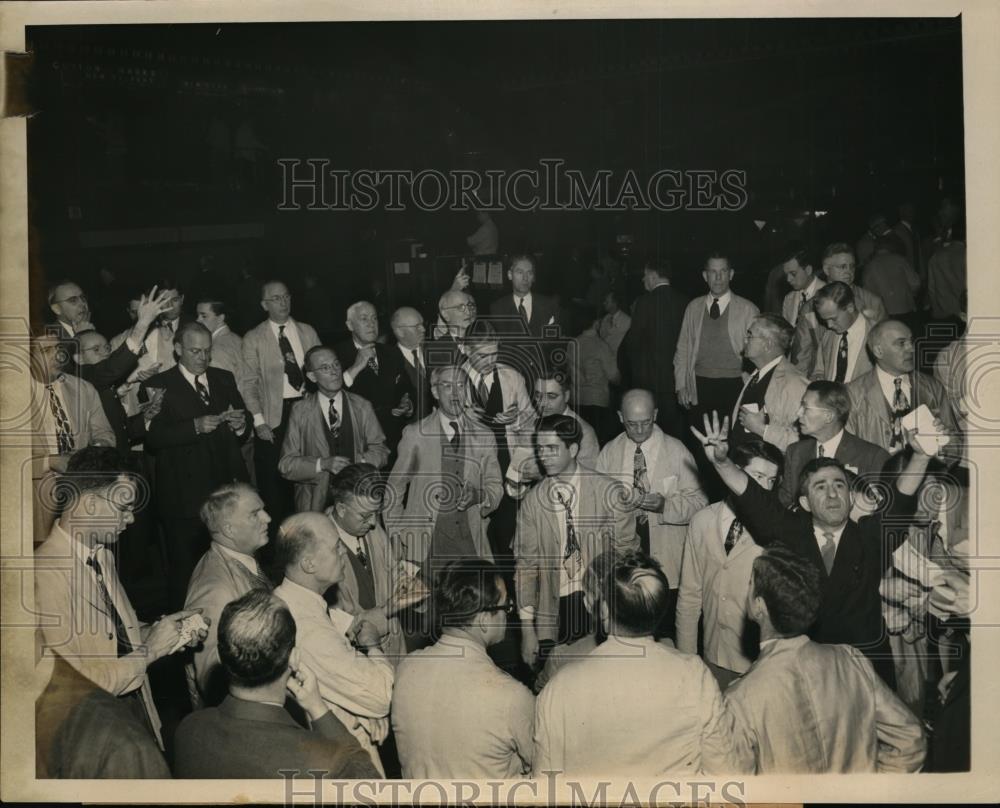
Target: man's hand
(263, 431)
(714, 439)
(151, 306)
(235, 418)
(367, 635)
(149, 372)
(334, 464)
(364, 354)
(304, 688)
(206, 424)
(165, 632)
(59, 463)
(461, 281)
(151, 408)
(529, 645)
(684, 397)
(405, 407)
(409, 591)
(468, 497)
(508, 416)
(754, 422)
(376, 618)
(652, 501)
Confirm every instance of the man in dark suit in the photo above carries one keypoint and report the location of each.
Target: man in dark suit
(823, 416)
(408, 327)
(69, 305)
(375, 372)
(851, 556)
(251, 735)
(195, 441)
(656, 321)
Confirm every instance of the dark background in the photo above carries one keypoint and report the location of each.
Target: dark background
(132, 163)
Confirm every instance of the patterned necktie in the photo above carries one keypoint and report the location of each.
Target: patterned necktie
(572, 559)
(64, 432)
(733, 535)
(521, 310)
(482, 392)
(455, 436)
(292, 370)
(373, 363)
(333, 418)
(900, 406)
(842, 359)
(714, 312)
(802, 307)
(820, 451)
(828, 550)
(124, 645)
(201, 390)
(362, 551)
(640, 480)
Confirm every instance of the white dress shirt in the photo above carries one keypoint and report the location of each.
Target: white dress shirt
(348, 376)
(888, 385)
(855, 345)
(758, 374)
(323, 402)
(292, 333)
(723, 301)
(189, 377)
(526, 301)
(830, 446)
(821, 539)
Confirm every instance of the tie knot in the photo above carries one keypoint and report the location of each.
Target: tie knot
(828, 535)
(898, 381)
(281, 330)
(453, 425)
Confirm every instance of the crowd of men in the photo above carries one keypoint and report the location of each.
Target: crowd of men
(742, 550)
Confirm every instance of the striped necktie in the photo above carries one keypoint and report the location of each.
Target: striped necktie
(123, 642)
(64, 432)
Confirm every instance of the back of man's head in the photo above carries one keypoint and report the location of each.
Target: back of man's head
(463, 588)
(790, 587)
(636, 593)
(256, 638)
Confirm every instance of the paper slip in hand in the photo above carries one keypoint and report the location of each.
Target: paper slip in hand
(341, 620)
(750, 407)
(189, 627)
(916, 566)
(928, 436)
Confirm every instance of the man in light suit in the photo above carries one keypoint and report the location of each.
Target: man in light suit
(838, 265)
(884, 395)
(664, 480)
(563, 523)
(195, 440)
(375, 372)
(327, 431)
(67, 416)
(85, 616)
(768, 404)
(798, 269)
(273, 355)
(227, 347)
(237, 522)
(823, 416)
(715, 578)
(708, 362)
(842, 351)
(445, 482)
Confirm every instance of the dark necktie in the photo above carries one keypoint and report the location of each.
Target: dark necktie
(416, 362)
(362, 551)
(455, 436)
(733, 535)
(124, 645)
(64, 432)
(201, 390)
(572, 558)
(373, 363)
(803, 300)
(900, 406)
(292, 370)
(482, 391)
(333, 418)
(842, 359)
(714, 312)
(521, 310)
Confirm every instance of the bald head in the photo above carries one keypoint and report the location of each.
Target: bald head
(408, 327)
(306, 548)
(93, 348)
(638, 414)
(891, 343)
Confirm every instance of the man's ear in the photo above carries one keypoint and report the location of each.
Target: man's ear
(294, 658)
(804, 503)
(76, 357)
(621, 417)
(574, 449)
(605, 616)
(177, 350)
(311, 376)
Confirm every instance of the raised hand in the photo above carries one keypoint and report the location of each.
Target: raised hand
(714, 438)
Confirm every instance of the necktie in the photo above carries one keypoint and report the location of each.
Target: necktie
(292, 370)
(820, 451)
(521, 310)
(333, 418)
(416, 361)
(201, 390)
(733, 535)
(572, 559)
(803, 299)
(714, 311)
(64, 432)
(842, 359)
(640, 480)
(455, 436)
(373, 363)
(900, 406)
(124, 646)
(828, 550)
(362, 551)
(483, 393)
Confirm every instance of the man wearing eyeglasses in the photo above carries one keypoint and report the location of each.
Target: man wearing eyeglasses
(487, 730)
(69, 305)
(327, 431)
(408, 327)
(822, 419)
(663, 478)
(273, 356)
(456, 311)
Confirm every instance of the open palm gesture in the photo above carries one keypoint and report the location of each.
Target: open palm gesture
(714, 438)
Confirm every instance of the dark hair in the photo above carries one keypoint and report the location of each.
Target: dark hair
(95, 467)
(637, 593)
(268, 282)
(790, 587)
(190, 325)
(358, 480)
(742, 453)
(256, 638)
(168, 283)
(836, 291)
(814, 465)
(658, 266)
(837, 248)
(555, 373)
(798, 251)
(522, 257)
(462, 589)
(307, 359)
(834, 396)
(566, 427)
(217, 306)
(718, 255)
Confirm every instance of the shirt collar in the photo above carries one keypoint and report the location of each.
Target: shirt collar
(830, 447)
(814, 286)
(222, 329)
(408, 352)
(723, 300)
(80, 550)
(761, 372)
(187, 374)
(288, 324)
(247, 561)
(299, 593)
(887, 380)
(818, 532)
(446, 422)
(519, 299)
(858, 326)
(352, 543)
(324, 401)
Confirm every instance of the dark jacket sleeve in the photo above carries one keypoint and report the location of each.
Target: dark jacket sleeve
(768, 521)
(113, 370)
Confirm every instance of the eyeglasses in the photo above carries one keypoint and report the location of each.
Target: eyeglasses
(122, 507)
(278, 299)
(506, 608)
(639, 424)
(80, 298)
(463, 306)
(326, 368)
